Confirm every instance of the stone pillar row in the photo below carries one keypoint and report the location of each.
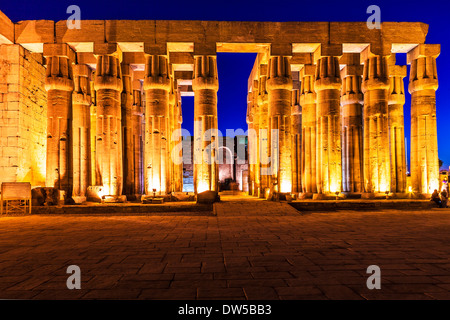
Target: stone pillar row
(343, 130)
(95, 126)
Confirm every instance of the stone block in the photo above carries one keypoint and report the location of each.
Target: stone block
(35, 31)
(42, 196)
(208, 197)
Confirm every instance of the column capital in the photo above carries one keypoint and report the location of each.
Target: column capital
(279, 74)
(307, 92)
(296, 107)
(82, 86)
(422, 51)
(205, 73)
(156, 73)
(108, 75)
(376, 73)
(328, 74)
(423, 75)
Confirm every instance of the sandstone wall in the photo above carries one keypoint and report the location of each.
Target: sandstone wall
(23, 116)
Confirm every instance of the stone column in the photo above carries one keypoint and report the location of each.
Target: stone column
(352, 124)
(137, 116)
(178, 170)
(375, 87)
(251, 145)
(205, 85)
(81, 132)
(157, 87)
(59, 86)
(296, 122)
(309, 130)
(108, 84)
(279, 85)
(172, 106)
(127, 100)
(423, 84)
(397, 128)
(263, 141)
(95, 180)
(255, 134)
(327, 86)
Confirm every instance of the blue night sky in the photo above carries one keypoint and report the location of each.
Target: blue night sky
(234, 69)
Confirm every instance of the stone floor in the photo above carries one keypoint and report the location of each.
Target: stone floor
(252, 249)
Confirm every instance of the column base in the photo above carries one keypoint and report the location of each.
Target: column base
(305, 195)
(79, 199)
(114, 199)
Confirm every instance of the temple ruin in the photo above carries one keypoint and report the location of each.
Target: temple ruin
(99, 105)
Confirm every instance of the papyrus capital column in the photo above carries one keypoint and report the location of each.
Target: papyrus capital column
(262, 100)
(279, 87)
(81, 128)
(108, 85)
(205, 85)
(156, 86)
(296, 144)
(328, 89)
(309, 129)
(423, 83)
(397, 128)
(59, 86)
(352, 123)
(375, 86)
(137, 117)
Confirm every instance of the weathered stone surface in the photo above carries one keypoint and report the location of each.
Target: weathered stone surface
(207, 197)
(45, 196)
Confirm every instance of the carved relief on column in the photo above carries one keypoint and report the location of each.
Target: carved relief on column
(251, 144)
(423, 83)
(172, 105)
(328, 86)
(256, 122)
(95, 180)
(352, 101)
(178, 120)
(137, 117)
(157, 87)
(81, 129)
(263, 123)
(375, 86)
(309, 129)
(279, 85)
(205, 85)
(59, 86)
(127, 135)
(397, 128)
(296, 123)
(108, 84)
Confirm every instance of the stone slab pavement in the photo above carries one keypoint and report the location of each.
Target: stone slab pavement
(252, 249)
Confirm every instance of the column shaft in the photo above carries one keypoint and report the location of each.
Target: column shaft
(263, 134)
(81, 132)
(127, 100)
(205, 85)
(327, 86)
(296, 123)
(157, 87)
(59, 86)
(375, 87)
(279, 85)
(137, 140)
(108, 85)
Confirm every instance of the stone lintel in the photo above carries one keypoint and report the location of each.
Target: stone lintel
(180, 46)
(159, 49)
(424, 50)
(352, 70)
(331, 50)
(205, 49)
(281, 49)
(133, 58)
(59, 49)
(106, 49)
(183, 75)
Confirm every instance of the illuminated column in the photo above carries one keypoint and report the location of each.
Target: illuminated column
(309, 129)
(256, 122)
(108, 84)
(296, 122)
(172, 121)
(263, 141)
(205, 85)
(327, 86)
(279, 85)
(95, 180)
(127, 100)
(251, 145)
(397, 128)
(375, 87)
(81, 132)
(352, 124)
(59, 86)
(423, 84)
(137, 116)
(178, 170)
(157, 87)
